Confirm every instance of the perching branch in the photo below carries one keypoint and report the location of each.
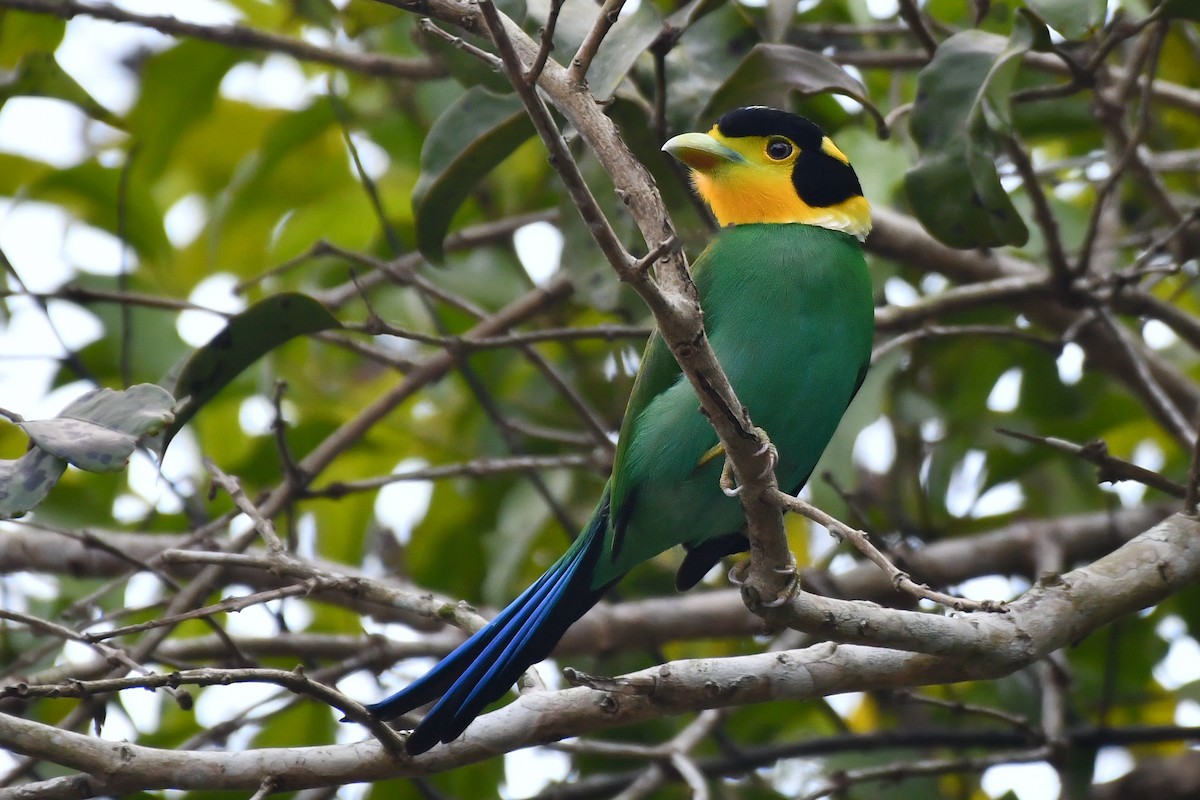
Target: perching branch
(1053, 614)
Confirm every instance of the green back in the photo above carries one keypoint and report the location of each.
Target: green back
(789, 312)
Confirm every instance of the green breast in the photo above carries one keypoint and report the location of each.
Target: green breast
(790, 313)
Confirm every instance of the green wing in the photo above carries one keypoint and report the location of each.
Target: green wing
(658, 372)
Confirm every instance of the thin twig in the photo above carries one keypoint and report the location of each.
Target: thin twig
(1017, 721)
(862, 543)
(228, 605)
(677, 753)
(429, 26)
(264, 526)
(474, 236)
(911, 14)
(69, 357)
(912, 769)
(125, 366)
(295, 681)
(239, 36)
(1153, 393)
(1051, 346)
(547, 45)
(1111, 111)
(315, 578)
(607, 17)
(1110, 468)
(960, 298)
(560, 155)
(605, 332)
(1192, 495)
(114, 655)
(478, 468)
(1042, 212)
(267, 788)
(291, 469)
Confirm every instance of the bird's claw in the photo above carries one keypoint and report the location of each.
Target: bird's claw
(767, 449)
(789, 591)
(737, 573)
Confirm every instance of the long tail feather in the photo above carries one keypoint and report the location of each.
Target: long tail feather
(483, 668)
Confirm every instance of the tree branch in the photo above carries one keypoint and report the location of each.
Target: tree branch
(239, 36)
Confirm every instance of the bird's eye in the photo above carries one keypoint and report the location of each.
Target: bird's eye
(779, 149)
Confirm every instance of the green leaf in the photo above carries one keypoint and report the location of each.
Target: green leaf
(473, 135)
(179, 87)
(100, 430)
(779, 15)
(22, 33)
(25, 482)
(520, 517)
(248, 337)
(97, 432)
(1074, 19)
(961, 111)
(1182, 9)
(39, 75)
(770, 73)
(17, 172)
(84, 444)
(994, 100)
(630, 36)
(716, 41)
(140, 410)
(319, 12)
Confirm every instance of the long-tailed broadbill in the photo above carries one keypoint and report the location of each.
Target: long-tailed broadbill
(788, 309)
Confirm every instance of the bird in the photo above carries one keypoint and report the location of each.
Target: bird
(788, 307)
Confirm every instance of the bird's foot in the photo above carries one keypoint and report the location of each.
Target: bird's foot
(727, 477)
(739, 573)
(789, 591)
(727, 480)
(767, 449)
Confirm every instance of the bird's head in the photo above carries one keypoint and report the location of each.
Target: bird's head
(760, 164)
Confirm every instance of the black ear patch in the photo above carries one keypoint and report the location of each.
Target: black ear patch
(820, 179)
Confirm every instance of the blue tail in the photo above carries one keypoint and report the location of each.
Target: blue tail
(483, 668)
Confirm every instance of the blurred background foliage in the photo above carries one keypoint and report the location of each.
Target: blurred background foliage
(238, 169)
